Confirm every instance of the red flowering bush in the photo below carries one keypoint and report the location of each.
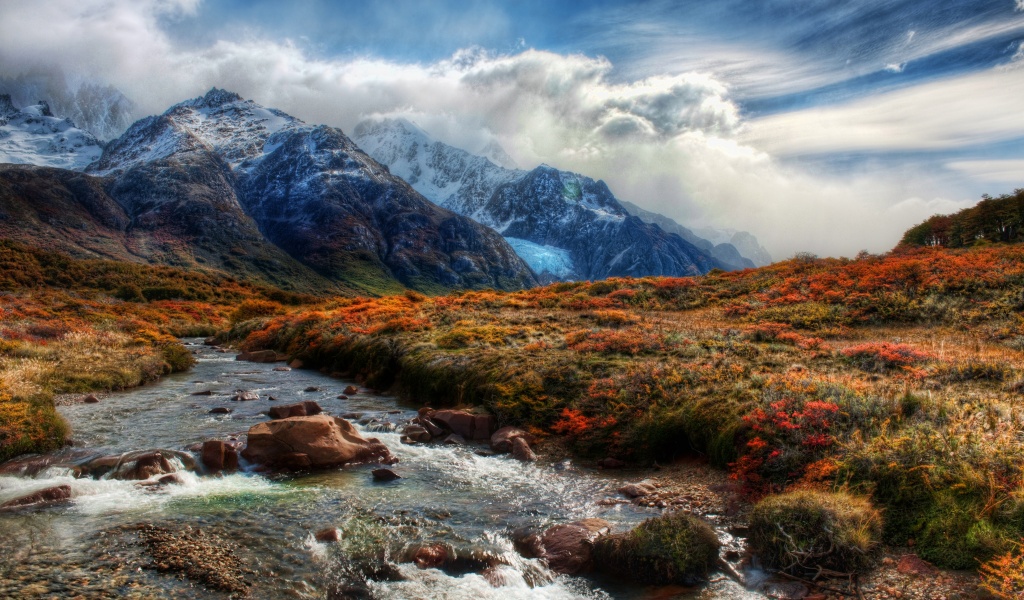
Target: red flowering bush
(787, 436)
(880, 357)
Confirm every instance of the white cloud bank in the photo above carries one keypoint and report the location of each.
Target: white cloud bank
(672, 143)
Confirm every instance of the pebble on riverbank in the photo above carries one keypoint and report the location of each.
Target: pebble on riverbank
(202, 557)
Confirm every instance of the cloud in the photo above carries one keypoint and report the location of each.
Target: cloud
(952, 113)
(676, 143)
(997, 171)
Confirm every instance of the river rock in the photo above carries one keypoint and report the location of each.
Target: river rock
(202, 393)
(385, 475)
(416, 433)
(148, 465)
(137, 465)
(323, 440)
(302, 409)
(245, 396)
(468, 425)
(911, 564)
(52, 495)
(218, 456)
(220, 410)
(328, 536)
(429, 556)
(90, 399)
(637, 490)
(312, 388)
(296, 364)
(261, 356)
(568, 548)
(283, 369)
(454, 439)
(351, 390)
(30, 466)
(611, 463)
(521, 450)
(433, 428)
(501, 441)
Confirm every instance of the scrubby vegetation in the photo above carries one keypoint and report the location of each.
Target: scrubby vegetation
(672, 549)
(810, 532)
(896, 376)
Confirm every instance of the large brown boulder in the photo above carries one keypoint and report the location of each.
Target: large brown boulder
(53, 495)
(219, 456)
(568, 548)
(501, 441)
(302, 409)
(318, 441)
(468, 425)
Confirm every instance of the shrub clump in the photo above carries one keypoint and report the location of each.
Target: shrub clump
(807, 531)
(672, 549)
(177, 357)
(254, 309)
(883, 356)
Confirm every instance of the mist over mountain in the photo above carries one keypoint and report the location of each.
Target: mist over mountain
(100, 109)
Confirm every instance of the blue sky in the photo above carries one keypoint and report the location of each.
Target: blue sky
(792, 119)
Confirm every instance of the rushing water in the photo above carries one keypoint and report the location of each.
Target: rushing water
(447, 493)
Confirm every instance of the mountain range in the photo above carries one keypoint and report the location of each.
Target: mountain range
(221, 182)
(566, 225)
(224, 183)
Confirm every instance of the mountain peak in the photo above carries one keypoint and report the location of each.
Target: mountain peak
(381, 127)
(216, 97)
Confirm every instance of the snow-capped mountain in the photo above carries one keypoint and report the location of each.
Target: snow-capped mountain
(311, 192)
(102, 110)
(566, 226)
(33, 135)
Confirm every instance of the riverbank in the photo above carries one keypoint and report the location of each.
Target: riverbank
(892, 377)
(73, 326)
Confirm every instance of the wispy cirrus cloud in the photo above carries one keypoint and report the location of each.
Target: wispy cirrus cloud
(942, 115)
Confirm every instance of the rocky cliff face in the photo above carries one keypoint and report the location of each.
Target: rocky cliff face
(309, 190)
(565, 225)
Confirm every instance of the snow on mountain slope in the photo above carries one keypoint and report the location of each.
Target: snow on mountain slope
(240, 131)
(32, 135)
(102, 110)
(449, 176)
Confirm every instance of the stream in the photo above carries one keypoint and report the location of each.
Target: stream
(449, 494)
